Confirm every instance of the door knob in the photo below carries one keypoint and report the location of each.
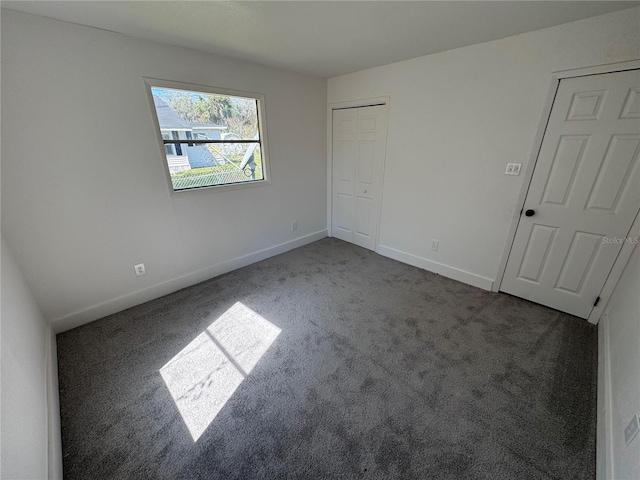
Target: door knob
(530, 213)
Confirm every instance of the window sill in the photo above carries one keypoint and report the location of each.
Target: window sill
(220, 188)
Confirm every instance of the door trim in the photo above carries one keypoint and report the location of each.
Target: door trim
(364, 102)
(621, 260)
(616, 272)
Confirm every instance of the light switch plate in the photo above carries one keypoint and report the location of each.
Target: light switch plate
(513, 169)
(631, 432)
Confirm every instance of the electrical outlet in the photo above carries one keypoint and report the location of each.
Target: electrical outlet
(139, 269)
(631, 432)
(434, 244)
(513, 169)
(294, 225)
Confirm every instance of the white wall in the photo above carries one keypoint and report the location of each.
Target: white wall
(619, 332)
(455, 120)
(84, 193)
(24, 418)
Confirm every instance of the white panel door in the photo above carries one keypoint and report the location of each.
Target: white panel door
(345, 150)
(359, 146)
(585, 189)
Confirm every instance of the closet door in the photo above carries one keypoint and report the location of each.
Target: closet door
(359, 146)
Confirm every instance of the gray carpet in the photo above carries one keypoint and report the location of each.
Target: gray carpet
(381, 370)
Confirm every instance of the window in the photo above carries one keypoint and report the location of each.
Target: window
(210, 137)
(169, 148)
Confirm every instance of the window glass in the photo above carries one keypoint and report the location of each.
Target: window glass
(222, 139)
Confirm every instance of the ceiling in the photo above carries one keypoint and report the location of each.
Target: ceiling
(323, 38)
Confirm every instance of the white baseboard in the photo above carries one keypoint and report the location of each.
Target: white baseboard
(435, 267)
(123, 302)
(604, 464)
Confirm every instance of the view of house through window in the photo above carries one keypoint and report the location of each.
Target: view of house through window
(209, 139)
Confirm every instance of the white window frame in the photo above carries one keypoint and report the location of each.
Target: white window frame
(262, 128)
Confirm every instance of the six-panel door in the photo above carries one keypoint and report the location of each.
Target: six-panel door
(584, 194)
(359, 145)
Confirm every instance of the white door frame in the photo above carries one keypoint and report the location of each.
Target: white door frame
(364, 102)
(626, 251)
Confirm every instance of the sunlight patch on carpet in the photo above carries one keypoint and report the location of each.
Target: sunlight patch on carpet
(206, 373)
